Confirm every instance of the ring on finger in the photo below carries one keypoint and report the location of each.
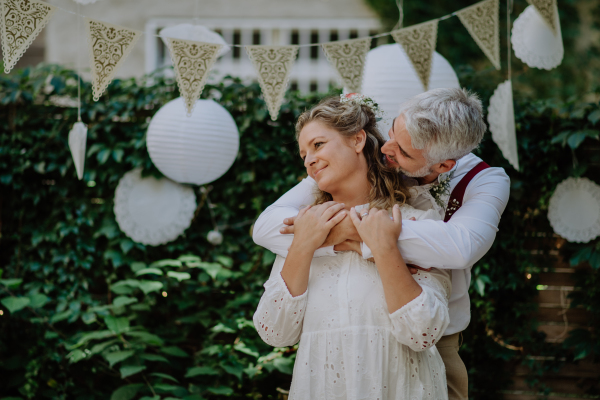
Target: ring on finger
(364, 214)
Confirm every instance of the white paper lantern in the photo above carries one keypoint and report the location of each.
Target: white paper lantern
(196, 149)
(390, 79)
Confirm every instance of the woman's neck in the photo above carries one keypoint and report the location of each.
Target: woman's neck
(355, 194)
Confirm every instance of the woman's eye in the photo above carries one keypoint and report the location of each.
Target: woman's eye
(318, 144)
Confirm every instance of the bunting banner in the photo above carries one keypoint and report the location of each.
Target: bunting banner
(501, 118)
(20, 23)
(348, 59)
(418, 42)
(549, 12)
(273, 65)
(192, 62)
(482, 22)
(109, 45)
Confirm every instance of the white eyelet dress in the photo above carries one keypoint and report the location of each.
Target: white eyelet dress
(350, 346)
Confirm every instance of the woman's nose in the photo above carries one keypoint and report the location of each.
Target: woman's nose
(309, 160)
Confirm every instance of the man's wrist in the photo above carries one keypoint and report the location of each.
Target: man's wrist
(302, 247)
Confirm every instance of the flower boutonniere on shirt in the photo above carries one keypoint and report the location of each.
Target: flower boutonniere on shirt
(440, 191)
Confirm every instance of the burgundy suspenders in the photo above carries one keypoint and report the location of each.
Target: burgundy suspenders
(456, 197)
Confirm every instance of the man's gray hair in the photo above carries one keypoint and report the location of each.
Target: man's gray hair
(446, 123)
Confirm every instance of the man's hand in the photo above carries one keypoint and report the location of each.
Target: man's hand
(349, 245)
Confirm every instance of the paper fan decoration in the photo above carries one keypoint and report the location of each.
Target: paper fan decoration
(574, 210)
(501, 117)
(534, 42)
(153, 211)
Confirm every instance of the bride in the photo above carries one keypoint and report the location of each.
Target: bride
(366, 330)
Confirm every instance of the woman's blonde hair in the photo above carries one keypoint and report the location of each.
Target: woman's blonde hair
(349, 118)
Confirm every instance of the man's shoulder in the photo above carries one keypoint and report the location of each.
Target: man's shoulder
(470, 161)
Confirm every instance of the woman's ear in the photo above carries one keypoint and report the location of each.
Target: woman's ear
(360, 139)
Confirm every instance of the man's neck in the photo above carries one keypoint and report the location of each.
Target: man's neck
(428, 178)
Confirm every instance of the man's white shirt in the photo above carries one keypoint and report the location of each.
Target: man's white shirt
(457, 244)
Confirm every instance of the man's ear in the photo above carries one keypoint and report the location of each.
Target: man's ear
(360, 139)
(444, 166)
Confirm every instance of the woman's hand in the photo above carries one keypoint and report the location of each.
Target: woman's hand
(313, 224)
(377, 230)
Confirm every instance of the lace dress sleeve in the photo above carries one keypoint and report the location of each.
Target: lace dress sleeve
(279, 316)
(422, 322)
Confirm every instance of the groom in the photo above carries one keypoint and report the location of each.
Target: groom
(430, 143)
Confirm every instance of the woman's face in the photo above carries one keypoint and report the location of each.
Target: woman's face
(330, 158)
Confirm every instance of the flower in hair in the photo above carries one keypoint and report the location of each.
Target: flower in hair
(357, 98)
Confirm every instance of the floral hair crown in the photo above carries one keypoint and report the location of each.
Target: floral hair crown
(365, 101)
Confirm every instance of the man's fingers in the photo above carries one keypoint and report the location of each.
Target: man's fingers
(396, 213)
(287, 230)
(413, 270)
(289, 221)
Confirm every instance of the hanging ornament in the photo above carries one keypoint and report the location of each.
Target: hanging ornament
(574, 210)
(77, 145)
(109, 45)
(192, 62)
(390, 80)
(548, 10)
(215, 237)
(20, 23)
(482, 20)
(348, 59)
(535, 43)
(273, 65)
(501, 117)
(194, 33)
(418, 42)
(153, 211)
(197, 149)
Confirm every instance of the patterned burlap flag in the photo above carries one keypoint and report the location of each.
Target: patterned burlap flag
(548, 10)
(273, 65)
(348, 59)
(418, 42)
(109, 45)
(482, 22)
(20, 23)
(192, 62)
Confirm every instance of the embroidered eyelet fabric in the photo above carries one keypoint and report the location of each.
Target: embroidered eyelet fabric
(351, 347)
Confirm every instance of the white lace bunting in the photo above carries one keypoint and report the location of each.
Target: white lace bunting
(273, 65)
(192, 62)
(20, 23)
(77, 145)
(348, 59)
(548, 10)
(418, 42)
(501, 118)
(482, 22)
(109, 45)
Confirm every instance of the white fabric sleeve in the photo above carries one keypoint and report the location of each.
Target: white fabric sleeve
(467, 236)
(279, 316)
(266, 228)
(422, 322)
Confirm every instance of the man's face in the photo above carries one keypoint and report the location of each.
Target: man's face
(400, 154)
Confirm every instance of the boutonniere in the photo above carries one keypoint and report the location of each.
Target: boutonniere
(440, 190)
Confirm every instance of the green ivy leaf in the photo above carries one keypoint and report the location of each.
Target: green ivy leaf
(180, 276)
(150, 286)
(118, 356)
(14, 304)
(164, 376)
(222, 390)
(11, 283)
(594, 116)
(146, 337)
(61, 316)
(145, 271)
(127, 392)
(174, 351)
(38, 300)
(131, 370)
(117, 325)
(195, 371)
(76, 356)
(123, 301)
(154, 357)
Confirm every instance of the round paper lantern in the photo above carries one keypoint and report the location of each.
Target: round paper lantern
(196, 149)
(390, 79)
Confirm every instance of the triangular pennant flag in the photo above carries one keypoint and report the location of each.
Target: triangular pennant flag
(348, 59)
(482, 22)
(273, 65)
(501, 117)
(20, 23)
(192, 62)
(109, 45)
(418, 42)
(549, 12)
(77, 143)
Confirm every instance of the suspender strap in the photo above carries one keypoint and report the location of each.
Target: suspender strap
(456, 197)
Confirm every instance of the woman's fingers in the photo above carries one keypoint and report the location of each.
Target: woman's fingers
(336, 219)
(303, 211)
(332, 210)
(397, 214)
(354, 217)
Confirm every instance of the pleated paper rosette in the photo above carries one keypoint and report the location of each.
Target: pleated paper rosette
(153, 211)
(574, 210)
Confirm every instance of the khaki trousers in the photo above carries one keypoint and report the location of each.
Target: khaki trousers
(456, 372)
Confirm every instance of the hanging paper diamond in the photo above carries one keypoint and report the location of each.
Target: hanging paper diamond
(77, 144)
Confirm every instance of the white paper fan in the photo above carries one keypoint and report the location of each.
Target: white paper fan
(153, 211)
(574, 210)
(534, 42)
(501, 117)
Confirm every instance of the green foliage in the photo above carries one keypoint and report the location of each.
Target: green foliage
(89, 314)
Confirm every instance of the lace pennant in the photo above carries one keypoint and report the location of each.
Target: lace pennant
(418, 42)
(482, 22)
(549, 12)
(501, 118)
(109, 45)
(192, 62)
(273, 65)
(20, 23)
(348, 58)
